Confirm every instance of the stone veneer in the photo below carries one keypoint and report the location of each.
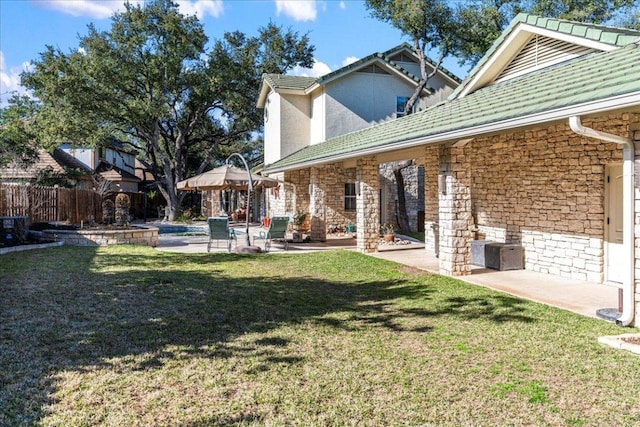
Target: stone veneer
(544, 188)
(414, 194)
(455, 220)
(634, 131)
(327, 207)
(367, 201)
(147, 236)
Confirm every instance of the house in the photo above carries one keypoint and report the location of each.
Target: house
(537, 147)
(48, 165)
(113, 162)
(303, 112)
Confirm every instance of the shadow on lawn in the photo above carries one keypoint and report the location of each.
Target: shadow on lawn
(88, 310)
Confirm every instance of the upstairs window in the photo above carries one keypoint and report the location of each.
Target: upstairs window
(350, 196)
(401, 102)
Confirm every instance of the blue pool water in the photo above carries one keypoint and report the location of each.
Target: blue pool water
(179, 229)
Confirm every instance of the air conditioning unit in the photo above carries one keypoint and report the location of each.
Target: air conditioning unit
(13, 230)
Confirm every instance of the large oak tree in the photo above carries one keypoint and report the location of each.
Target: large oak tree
(151, 82)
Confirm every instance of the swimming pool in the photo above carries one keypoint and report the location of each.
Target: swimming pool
(181, 229)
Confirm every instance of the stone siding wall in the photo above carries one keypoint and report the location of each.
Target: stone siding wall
(544, 188)
(368, 200)
(414, 182)
(634, 133)
(139, 236)
(431, 233)
(290, 196)
(455, 219)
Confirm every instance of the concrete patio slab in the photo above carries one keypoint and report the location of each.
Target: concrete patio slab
(573, 295)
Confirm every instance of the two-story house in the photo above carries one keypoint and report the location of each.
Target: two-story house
(112, 162)
(302, 112)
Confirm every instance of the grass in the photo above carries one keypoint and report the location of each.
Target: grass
(127, 336)
(418, 235)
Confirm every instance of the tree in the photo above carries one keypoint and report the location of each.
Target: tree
(16, 142)
(429, 25)
(150, 82)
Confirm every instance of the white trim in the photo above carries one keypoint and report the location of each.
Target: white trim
(593, 107)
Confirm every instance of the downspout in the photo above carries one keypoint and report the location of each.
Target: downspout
(628, 213)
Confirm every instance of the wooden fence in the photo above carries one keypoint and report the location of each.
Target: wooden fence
(43, 204)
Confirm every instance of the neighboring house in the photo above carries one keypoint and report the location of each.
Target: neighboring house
(57, 163)
(536, 147)
(302, 111)
(113, 162)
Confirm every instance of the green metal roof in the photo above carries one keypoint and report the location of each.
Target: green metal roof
(590, 78)
(281, 81)
(609, 35)
(600, 33)
(386, 58)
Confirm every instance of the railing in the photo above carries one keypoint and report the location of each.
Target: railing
(43, 204)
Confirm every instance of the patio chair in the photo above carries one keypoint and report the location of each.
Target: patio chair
(277, 231)
(219, 230)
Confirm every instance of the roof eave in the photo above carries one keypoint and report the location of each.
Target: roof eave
(593, 107)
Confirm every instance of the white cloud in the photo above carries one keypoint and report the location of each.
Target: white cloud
(300, 10)
(99, 9)
(319, 69)
(349, 60)
(10, 80)
(343, 5)
(200, 8)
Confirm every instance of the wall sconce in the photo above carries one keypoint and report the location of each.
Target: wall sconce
(358, 188)
(442, 184)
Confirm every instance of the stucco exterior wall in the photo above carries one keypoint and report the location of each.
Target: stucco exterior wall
(545, 188)
(288, 126)
(318, 122)
(272, 125)
(361, 100)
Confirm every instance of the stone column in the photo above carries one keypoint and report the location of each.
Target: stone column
(317, 207)
(210, 203)
(431, 202)
(368, 204)
(455, 220)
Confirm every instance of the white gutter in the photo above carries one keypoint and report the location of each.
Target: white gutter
(628, 213)
(628, 100)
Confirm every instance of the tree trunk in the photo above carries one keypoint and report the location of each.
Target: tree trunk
(403, 218)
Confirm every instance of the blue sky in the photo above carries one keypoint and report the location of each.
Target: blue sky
(342, 31)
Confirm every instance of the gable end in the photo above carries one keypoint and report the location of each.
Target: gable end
(540, 52)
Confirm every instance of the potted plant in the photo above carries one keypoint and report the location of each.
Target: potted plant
(299, 220)
(386, 230)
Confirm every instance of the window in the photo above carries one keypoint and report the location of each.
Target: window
(350, 196)
(401, 102)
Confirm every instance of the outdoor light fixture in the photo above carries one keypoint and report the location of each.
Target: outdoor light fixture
(442, 184)
(358, 188)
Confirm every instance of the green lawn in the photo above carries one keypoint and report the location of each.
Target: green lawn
(127, 336)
